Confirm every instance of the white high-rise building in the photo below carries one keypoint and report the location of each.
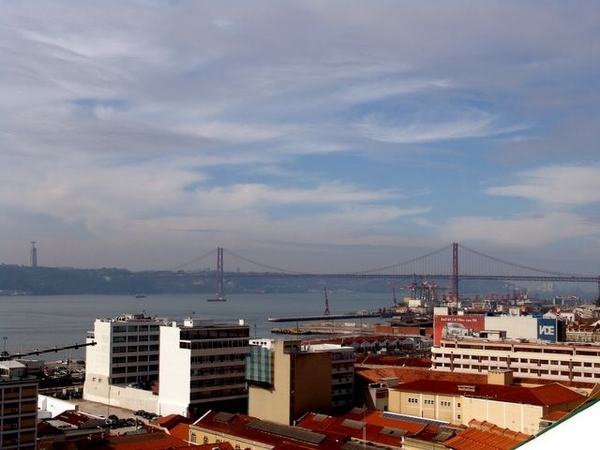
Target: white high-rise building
(126, 354)
(202, 367)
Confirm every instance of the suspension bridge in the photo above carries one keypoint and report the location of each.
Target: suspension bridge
(454, 263)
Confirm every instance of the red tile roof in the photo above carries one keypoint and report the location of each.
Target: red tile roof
(405, 374)
(372, 426)
(548, 395)
(554, 416)
(181, 431)
(74, 418)
(171, 421)
(475, 439)
(241, 426)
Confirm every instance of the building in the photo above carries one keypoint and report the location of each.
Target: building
(566, 362)
(202, 367)
(517, 408)
(249, 433)
(126, 354)
(286, 379)
(18, 407)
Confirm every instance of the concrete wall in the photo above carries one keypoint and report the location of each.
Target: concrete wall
(53, 406)
(174, 377)
(515, 416)
(121, 397)
(273, 403)
(312, 384)
(515, 326)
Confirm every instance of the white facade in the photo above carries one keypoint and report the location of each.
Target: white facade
(547, 361)
(126, 354)
(202, 364)
(516, 327)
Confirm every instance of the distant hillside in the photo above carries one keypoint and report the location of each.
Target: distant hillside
(65, 281)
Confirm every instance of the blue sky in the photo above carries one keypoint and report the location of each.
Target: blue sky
(306, 135)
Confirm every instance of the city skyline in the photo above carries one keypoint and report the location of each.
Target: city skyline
(300, 135)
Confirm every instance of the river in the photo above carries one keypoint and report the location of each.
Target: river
(28, 323)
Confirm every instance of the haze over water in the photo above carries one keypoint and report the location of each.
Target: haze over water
(39, 322)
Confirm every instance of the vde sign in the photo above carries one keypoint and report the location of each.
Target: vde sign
(546, 329)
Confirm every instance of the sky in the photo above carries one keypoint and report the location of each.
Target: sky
(319, 136)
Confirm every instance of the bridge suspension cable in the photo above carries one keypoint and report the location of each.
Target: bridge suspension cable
(520, 266)
(405, 263)
(193, 261)
(266, 266)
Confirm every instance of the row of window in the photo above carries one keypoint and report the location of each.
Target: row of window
(430, 402)
(216, 371)
(135, 348)
(198, 384)
(134, 369)
(520, 360)
(134, 358)
(219, 393)
(135, 328)
(522, 371)
(206, 345)
(214, 333)
(506, 348)
(135, 338)
(218, 358)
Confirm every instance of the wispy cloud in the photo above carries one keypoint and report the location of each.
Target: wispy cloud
(561, 185)
(300, 122)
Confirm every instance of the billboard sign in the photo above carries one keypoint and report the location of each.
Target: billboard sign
(457, 327)
(547, 330)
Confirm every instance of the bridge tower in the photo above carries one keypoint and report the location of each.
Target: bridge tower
(454, 276)
(220, 275)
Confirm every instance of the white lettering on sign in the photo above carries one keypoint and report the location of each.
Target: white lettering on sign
(546, 330)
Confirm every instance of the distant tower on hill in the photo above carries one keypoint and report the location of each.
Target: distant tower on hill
(33, 256)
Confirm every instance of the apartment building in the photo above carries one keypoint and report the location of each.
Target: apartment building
(530, 360)
(18, 407)
(126, 354)
(286, 379)
(202, 366)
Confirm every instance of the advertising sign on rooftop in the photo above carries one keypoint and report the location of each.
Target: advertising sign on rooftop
(457, 327)
(547, 329)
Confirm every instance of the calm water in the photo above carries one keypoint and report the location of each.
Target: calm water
(36, 322)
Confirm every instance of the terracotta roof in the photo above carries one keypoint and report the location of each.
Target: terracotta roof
(376, 427)
(146, 441)
(171, 421)
(405, 375)
(388, 360)
(74, 418)
(475, 439)
(554, 416)
(266, 432)
(556, 394)
(548, 395)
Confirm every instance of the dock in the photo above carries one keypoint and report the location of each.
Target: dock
(350, 315)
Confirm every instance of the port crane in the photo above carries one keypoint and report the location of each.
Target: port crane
(4, 355)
